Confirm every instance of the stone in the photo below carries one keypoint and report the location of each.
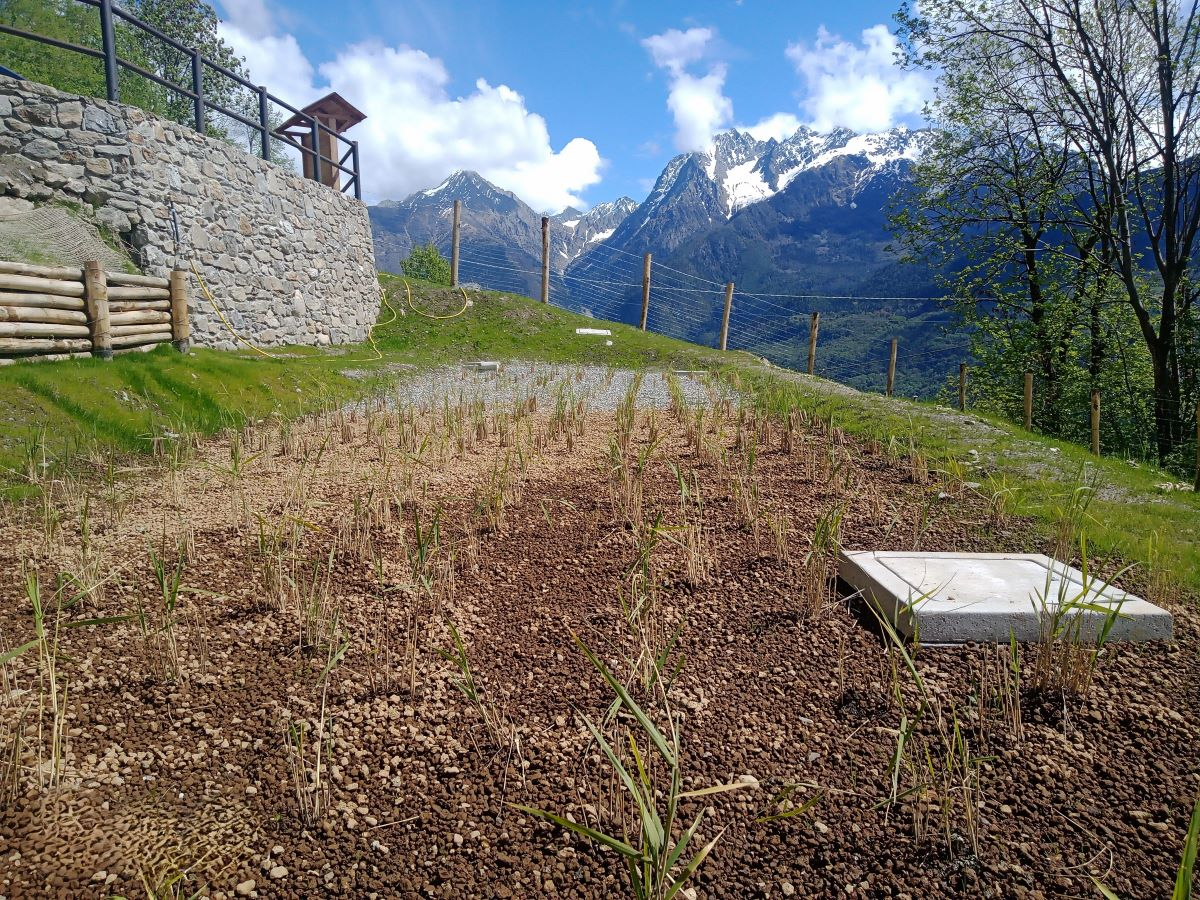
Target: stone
(41, 148)
(70, 114)
(279, 872)
(245, 888)
(949, 598)
(96, 119)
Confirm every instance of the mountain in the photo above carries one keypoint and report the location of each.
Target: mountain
(578, 232)
(798, 225)
(500, 235)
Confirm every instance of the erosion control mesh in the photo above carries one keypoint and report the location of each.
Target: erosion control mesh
(52, 235)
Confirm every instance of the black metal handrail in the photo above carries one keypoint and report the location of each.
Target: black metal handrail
(195, 92)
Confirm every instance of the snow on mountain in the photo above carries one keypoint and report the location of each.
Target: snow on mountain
(580, 231)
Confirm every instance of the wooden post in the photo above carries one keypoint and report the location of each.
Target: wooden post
(95, 293)
(454, 244)
(1196, 486)
(181, 330)
(814, 326)
(1028, 401)
(962, 387)
(1096, 422)
(891, 378)
(545, 259)
(645, 290)
(725, 316)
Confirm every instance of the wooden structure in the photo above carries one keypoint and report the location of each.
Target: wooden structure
(319, 124)
(60, 312)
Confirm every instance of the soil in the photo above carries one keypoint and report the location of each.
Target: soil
(188, 774)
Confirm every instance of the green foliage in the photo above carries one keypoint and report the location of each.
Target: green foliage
(192, 23)
(427, 263)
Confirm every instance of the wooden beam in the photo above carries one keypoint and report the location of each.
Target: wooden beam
(645, 290)
(891, 375)
(96, 297)
(41, 285)
(725, 315)
(40, 301)
(181, 326)
(37, 314)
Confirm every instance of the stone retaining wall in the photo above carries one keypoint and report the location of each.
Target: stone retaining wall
(289, 260)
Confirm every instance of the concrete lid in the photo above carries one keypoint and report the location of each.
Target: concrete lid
(958, 597)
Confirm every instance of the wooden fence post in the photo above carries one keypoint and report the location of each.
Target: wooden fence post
(1196, 486)
(545, 259)
(645, 290)
(891, 376)
(1028, 401)
(454, 243)
(181, 330)
(725, 317)
(814, 325)
(962, 387)
(95, 292)
(1096, 422)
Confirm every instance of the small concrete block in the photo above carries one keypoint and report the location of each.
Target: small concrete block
(950, 598)
(482, 366)
(603, 332)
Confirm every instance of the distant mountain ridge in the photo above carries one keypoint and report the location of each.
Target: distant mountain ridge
(802, 216)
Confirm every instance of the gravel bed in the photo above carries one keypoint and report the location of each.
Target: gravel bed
(601, 387)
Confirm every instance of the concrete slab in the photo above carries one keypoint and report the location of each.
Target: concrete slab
(602, 332)
(950, 598)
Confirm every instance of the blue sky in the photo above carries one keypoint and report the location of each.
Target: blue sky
(572, 102)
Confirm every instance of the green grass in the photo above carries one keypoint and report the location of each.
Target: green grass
(74, 409)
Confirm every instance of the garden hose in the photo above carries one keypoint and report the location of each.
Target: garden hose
(221, 315)
(419, 312)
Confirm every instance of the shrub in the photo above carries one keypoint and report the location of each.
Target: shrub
(427, 264)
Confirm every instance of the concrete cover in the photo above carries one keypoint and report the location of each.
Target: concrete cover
(600, 331)
(957, 597)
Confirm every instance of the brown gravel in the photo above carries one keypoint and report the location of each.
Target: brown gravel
(191, 775)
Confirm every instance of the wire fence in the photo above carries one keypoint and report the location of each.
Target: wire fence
(607, 283)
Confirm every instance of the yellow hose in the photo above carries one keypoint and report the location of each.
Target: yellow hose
(221, 315)
(419, 312)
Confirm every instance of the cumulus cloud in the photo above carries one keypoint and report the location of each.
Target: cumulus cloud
(779, 126)
(857, 86)
(697, 102)
(416, 133)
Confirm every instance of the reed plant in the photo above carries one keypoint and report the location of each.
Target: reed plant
(661, 852)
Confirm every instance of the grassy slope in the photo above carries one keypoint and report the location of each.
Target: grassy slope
(74, 409)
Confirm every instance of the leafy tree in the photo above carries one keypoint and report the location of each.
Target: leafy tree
(1070, 175)
(427, 263)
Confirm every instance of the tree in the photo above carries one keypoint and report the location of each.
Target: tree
(192, 23)
(1103, 97)
(427, 263)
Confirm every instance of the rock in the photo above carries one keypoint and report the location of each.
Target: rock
(245, 888)
(788, 888)
(279, 872)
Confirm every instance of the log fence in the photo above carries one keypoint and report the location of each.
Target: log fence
(64, 312)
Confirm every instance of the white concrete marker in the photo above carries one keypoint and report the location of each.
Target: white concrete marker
(603, 332)
(482, 366)
(950, 598)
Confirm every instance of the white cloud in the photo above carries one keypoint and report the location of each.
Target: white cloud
(674, 49)
(416, 133)
(857, 86)
(697, 102)
(778, 126)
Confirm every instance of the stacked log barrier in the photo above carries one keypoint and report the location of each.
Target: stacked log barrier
(61, 312)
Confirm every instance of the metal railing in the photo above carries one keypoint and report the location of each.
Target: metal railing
(109, 12)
